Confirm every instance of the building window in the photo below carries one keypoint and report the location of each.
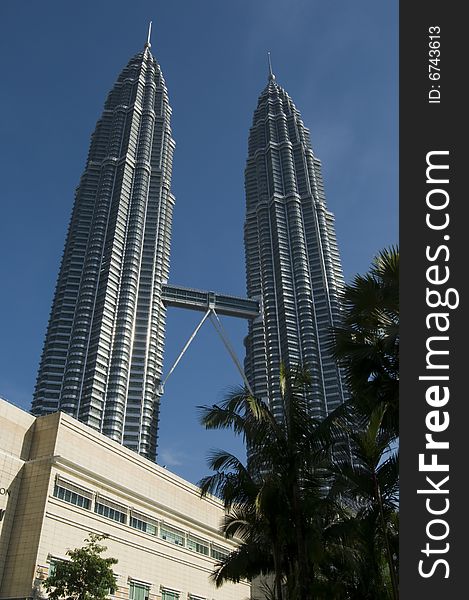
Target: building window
(138, 591)
(219, 553)
(52, 567)
(198, 545)
(69, 492)
(53, 562)
(167, 594)
(171, 534)
(110, 509)
(143, 523)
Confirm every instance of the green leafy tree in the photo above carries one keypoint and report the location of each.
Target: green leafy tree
(86, 576)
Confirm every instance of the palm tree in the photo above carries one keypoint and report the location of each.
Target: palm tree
(366, 344)
(276, 507)
(316, 505)
(260, 552)
(367, 348)
(368, 487)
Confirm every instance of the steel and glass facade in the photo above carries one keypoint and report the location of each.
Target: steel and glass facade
(292, 260)
(103, 353)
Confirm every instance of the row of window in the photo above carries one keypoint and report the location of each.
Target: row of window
(74, 494)
(137, 590)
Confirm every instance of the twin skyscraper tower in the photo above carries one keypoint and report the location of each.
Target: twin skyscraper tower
(102, 360)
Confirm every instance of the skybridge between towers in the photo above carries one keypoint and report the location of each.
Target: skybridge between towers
(103, 355)
(212, 304)
(230, 306)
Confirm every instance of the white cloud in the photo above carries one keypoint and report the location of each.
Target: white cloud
(171, 458)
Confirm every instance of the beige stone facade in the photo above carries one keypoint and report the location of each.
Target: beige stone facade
(61, 480)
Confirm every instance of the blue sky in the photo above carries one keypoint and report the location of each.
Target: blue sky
(337, 60)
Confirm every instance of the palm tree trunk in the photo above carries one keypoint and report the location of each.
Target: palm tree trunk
(305, 569)
(395, 592)
(278, 571)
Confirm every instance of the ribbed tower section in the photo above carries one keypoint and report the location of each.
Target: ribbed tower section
(103, 354)
(292, 259)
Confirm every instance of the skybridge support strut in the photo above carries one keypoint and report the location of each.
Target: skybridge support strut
(226, 342)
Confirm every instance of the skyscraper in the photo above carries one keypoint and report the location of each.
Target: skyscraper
(292, 260)
(102, 359)
(103, 352)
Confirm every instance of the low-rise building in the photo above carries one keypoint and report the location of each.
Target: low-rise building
(61, 480)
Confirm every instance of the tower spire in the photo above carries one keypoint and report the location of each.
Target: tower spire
(148, 44)
(294, 243)
(129, 366)
(271, 74)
